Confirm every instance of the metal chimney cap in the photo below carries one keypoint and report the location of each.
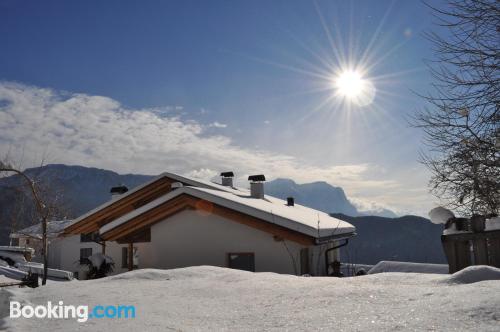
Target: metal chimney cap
(119, 190)
(257, 178)
(227, 174)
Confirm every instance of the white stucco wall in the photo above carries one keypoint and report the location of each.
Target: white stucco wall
(190, 238)
(64, 253)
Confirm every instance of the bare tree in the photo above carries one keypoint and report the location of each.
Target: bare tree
(462, 120)
(43, 210)
(12, 217)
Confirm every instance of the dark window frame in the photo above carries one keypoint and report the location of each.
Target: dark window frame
(125, 257)
(229, 260)
(90, 237)
(83, 256)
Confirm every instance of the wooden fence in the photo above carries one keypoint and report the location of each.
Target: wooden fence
(466, 249)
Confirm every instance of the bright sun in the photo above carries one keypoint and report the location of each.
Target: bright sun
(351, 85)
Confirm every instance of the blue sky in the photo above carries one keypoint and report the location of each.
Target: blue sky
(248, 77)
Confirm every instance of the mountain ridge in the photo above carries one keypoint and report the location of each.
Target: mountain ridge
(406, 238)
(379, 238)
(320, 195)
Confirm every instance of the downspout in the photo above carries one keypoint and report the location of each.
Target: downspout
(330, 249)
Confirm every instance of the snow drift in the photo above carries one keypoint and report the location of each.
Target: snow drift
(474, 274)
(408, 267)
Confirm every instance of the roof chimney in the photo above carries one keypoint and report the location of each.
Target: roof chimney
(290, 201)
(227, 178)
(257, 185)
(117, 191)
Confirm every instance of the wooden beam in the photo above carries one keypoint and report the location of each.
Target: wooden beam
(143, 235)
(121, 207)
(130, 256)
(494, 252)
(473, 236)
(480, 252)
(263, 225)
(449, 251)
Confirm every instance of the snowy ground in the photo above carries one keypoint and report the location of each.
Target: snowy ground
(6, 280)
(211, 298)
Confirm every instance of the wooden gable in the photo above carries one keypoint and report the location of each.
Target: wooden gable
(120, 207)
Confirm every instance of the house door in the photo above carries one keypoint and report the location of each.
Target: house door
(242, 261)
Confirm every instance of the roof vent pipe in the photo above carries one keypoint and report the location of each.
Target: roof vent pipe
(227, 179)
(257, 185)
(290, 201)
(117, 191)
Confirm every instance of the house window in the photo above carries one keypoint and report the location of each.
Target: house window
(90, 237)
(15, 242)
(84, 254)
(241, 261)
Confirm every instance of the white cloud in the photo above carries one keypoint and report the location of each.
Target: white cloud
(202, 173)
(217, 125)
(97, 131)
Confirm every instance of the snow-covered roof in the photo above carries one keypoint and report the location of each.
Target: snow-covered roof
(299, 218)
(408, 267)
(14, 249)
(492, 224)
(54, 228)
(175, 177)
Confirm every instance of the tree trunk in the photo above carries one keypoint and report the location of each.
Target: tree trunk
(45, 251)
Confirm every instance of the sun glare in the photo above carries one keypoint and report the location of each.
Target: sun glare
(349, 83)
(351, 86)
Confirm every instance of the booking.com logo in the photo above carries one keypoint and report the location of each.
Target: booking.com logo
(60, 311)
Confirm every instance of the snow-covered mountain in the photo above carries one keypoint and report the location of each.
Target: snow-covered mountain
(321, 196)
(318, 195)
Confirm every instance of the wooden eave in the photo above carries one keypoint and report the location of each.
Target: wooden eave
(120, 207)
(139, 223)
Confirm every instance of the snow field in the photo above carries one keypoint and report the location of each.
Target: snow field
(214, 299)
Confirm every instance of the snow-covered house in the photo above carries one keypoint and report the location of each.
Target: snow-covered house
(174, 221)
(65, 252)
(31, 237)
